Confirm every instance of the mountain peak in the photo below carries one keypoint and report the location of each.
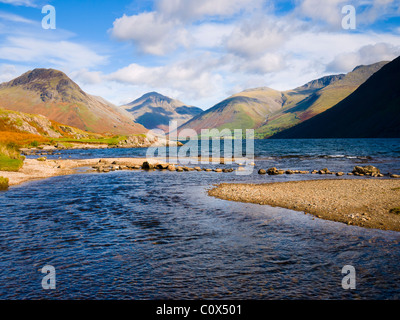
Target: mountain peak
(39, 74)
(154, 110)
(50, 84)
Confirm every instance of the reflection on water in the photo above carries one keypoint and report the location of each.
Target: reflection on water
(157, 235)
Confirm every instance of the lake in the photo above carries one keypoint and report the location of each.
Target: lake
(158, 235)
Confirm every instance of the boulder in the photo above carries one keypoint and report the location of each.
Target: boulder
(147, 166)
(395, 176)
(289, 172)
(324, 171)
(367, 170)
(339, 173)
(162, 166)
(218, 170)
(262, 171)
(272, 171)
(171, 167)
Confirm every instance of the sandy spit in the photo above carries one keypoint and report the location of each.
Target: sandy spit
(360, 202)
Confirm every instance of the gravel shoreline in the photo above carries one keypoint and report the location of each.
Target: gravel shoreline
(361, 202)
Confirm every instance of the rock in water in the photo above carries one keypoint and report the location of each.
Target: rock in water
(147, 166)
(272, 171)
(366, 170)
(262, 171)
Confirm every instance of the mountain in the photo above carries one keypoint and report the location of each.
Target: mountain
(244, 110)
(316, 97)
(270, 111)
(51, 93)
(154, 110)
(371, 111)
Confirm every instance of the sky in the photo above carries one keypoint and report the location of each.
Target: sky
(197, 51)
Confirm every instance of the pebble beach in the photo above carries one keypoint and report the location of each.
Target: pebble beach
(366, 203)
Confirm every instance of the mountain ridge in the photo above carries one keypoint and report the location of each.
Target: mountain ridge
(371, 111)
(269, 111)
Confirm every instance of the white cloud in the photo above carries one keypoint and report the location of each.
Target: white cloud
(57, 53)
(189, 10)
(9, 72)
(150, 32)
(193, 77)
(210, 35)
(328, 11)
(84, 76)
(26, 3)
(172, 25)
(268, 63)
(15, 18)
(256, 37)
(365, 55)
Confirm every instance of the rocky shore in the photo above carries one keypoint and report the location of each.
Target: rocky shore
(41, 168)
(367, 203)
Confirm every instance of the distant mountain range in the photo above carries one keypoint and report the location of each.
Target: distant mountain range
(362, 103)
(371, 111)
(154, 110)
(51, 93)
(270, 111)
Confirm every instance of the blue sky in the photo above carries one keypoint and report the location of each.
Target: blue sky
(199, 51)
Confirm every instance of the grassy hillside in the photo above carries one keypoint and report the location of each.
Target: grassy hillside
(373, 110)
(247, 109)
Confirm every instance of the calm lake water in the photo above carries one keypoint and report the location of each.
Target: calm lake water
(158, 235)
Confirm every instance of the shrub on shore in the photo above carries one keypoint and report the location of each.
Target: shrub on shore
(3, 183)
(10, 158)
(21, 139)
